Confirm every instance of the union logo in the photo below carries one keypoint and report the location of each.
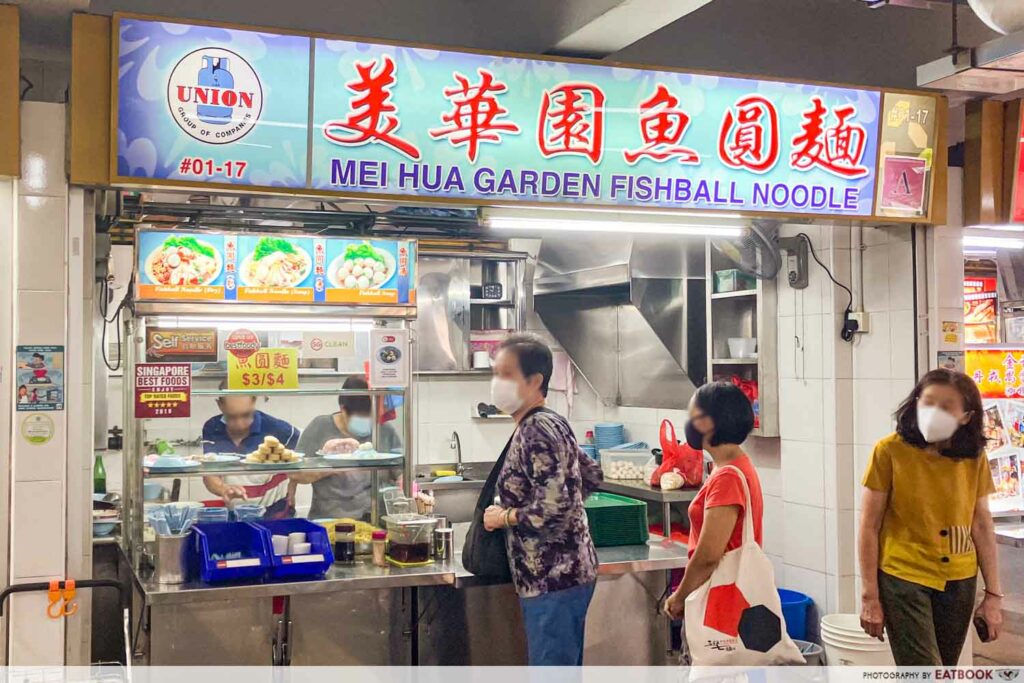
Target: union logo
(214, 95)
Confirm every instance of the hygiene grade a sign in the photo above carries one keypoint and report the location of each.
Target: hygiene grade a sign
(214, 105)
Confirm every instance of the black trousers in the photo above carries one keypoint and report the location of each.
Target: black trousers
(926, 627)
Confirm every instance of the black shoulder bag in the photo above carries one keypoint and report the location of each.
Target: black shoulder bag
(484, 552)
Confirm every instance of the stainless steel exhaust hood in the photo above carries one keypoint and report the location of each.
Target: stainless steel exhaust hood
(630, 313)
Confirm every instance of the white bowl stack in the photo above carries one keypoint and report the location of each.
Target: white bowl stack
(846, 643)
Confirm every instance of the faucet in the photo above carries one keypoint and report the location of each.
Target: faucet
(456, 443)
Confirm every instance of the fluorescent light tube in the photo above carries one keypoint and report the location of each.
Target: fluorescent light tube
(564, 225)
(993, 242)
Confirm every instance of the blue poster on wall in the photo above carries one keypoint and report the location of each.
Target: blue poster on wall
(211, 105)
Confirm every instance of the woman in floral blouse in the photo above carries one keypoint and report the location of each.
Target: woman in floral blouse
(542, 485)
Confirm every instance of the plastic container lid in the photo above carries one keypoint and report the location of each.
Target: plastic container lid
(380, 535)
(344, 528)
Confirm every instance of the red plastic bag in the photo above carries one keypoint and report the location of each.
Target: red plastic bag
(680, 457)
(749, 389)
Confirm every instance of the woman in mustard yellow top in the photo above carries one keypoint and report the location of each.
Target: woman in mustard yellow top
(926, 527)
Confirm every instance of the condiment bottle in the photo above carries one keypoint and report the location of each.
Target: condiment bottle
(380, 539)
(345, 543)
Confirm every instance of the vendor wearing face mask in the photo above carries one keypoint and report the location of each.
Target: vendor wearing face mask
(343, 494)
(542, 484)
(926, 528)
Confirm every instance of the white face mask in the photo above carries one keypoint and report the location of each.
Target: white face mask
(505, 395)
(935, 423)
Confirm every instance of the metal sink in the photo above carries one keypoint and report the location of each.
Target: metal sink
(455, 499)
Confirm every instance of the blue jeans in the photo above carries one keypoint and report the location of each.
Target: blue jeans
(555, 624)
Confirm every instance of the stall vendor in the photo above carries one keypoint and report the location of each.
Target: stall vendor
(344, 494)
(240, 428)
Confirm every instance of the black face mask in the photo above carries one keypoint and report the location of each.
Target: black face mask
(694, 439)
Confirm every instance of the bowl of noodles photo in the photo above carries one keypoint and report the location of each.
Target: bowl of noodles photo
(275, 262)
(362, 266)
(183, 260)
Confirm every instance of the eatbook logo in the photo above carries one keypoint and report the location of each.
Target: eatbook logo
(215, 95)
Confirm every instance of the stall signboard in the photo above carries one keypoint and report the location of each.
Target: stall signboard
(163, 390)
(202, 105)
(408, 121)
(999, 373)
(178, 344)
(274, 269)
(980, 310)
(210, 105)
(264, 370)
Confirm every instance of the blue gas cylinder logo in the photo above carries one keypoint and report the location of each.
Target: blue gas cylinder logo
(215, 95)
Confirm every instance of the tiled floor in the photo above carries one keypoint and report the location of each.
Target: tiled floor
(1009, 649)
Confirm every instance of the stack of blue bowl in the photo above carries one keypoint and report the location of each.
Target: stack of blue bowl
(609, 435)
(590, 450)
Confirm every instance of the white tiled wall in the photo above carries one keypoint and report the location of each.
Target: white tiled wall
(38, 503)
(836, 400)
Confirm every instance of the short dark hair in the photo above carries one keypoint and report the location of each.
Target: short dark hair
(968, 441)
(355, 404)
(533, 355)
(730, 410)
(223, 386)
(39, 356)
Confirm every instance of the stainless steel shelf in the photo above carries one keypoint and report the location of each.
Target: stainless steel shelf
(735, 295)
(312, 465)
(504, 303)
(298, 392)
(734, 361)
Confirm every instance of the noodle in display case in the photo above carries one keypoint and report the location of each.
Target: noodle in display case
(274, 268)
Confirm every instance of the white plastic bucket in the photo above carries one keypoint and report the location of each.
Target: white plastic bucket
(846, 643)
(865, 643)
(839, 623)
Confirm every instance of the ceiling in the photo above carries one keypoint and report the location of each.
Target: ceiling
(830, 40)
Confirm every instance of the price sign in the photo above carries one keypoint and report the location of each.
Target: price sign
(266, 369)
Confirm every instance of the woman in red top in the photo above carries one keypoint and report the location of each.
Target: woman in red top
(720, 420)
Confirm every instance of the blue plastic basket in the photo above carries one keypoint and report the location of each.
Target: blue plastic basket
(319, 559)
(214, 546)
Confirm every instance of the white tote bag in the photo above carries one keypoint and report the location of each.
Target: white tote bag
(735, 618)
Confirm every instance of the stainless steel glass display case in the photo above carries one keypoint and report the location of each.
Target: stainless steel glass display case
(318, 393)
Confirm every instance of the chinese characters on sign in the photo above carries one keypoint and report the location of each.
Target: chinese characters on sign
(163, 390)
(393, 120)
(999, 373)
(264, 370)
(482, 127)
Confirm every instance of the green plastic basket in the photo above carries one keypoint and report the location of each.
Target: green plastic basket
(616, 520)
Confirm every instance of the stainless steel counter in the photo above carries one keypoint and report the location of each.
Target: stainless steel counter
(366, 615)
(361, 576)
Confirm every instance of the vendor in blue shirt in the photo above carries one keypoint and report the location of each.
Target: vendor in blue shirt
(240, 428)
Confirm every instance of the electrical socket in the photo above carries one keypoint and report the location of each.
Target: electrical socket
(861, 319)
